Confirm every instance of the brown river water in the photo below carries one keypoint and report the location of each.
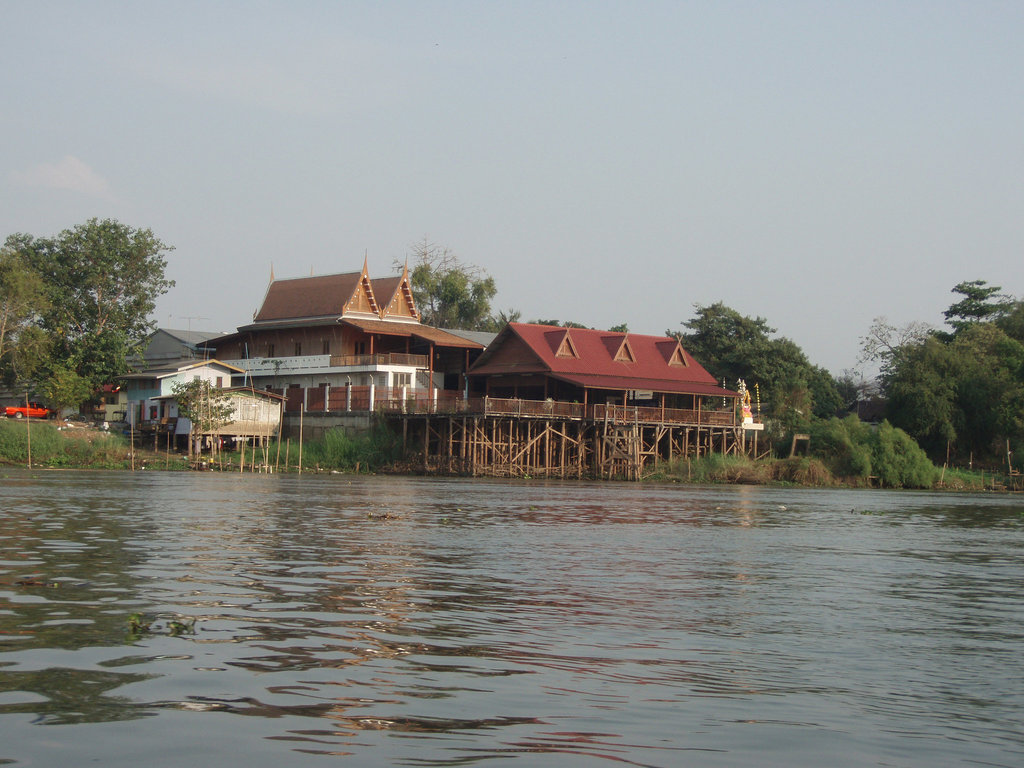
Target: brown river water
(197, 619)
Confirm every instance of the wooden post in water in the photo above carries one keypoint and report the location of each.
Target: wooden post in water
(28, 432)
(300, 441)
(280, 428)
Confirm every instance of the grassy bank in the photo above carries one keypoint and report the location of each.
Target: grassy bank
(57, 446)
(54, 447)
(380, 449)
(806, 471)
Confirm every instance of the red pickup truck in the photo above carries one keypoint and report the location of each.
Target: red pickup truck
(32, 410)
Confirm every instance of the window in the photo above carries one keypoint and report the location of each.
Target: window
(360, 347)
(402, 379)
(327, 347)
(270, 350)
(298, 348)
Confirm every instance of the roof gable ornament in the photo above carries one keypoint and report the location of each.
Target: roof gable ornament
(566, 348)
(619, 348)
(625, 352)
(362, 298)
(402, 303)
(678, 356)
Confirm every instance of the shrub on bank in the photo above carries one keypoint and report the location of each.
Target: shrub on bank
(898, 461)
(855, 451)
(802, 470)
(843, 445)
(340, 449)
(716, 468)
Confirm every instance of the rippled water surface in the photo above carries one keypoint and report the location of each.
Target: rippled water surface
(326, 620)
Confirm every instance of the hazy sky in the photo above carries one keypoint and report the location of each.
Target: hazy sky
(817, 164)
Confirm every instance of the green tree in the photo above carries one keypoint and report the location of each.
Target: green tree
(921, 393)
(22, 299)
(449, 293)
(959, 393)
(63, 388)
(732, 346)
(1012, 322)
(981, 303)
(988, 371)
(102, 279)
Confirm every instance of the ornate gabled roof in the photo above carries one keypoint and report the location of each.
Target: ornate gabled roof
(307, 297)
(597, 359)
(394, 294)
(336, 296)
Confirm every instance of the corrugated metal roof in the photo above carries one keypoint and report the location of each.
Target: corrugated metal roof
(177, 366)
(190, 337)
(483, 338)
(588, 358)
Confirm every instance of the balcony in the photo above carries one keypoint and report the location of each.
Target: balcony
(386, 359)
(277, 366)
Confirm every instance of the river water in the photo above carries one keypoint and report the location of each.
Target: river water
(434, 622)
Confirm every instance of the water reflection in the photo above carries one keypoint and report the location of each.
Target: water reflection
(430, 622)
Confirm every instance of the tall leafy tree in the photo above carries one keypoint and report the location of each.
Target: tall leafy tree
(959, 393)
(448, 292)
(102, 279)
(1012, 322)
(732, 346)
(921, 393)
(22, 299)
(981, 303)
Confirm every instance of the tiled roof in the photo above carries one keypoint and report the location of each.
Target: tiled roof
(302, 297)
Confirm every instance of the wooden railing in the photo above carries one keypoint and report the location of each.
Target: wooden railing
(495, 406)
(647, 414)
(409, 400)
(387, 358)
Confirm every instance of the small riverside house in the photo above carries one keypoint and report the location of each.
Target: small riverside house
(150, 405)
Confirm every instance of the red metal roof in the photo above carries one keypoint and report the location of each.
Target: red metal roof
(588, 359)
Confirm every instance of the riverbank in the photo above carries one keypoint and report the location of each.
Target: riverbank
(812, 472)
(72, 446)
